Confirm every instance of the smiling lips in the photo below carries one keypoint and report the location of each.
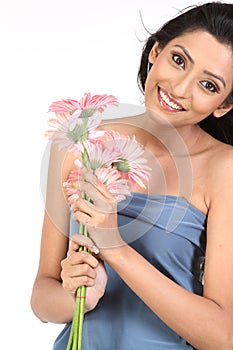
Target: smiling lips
(168, 103)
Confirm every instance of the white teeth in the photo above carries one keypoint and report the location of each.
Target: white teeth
(168, 102)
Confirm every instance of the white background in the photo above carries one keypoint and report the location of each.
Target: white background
(49, 50)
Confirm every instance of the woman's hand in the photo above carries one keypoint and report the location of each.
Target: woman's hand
(82, 268)
(99, 215)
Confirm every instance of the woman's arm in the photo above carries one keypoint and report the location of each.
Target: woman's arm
(205, 322)
(200, 320)
(49, 301)
(52, 300)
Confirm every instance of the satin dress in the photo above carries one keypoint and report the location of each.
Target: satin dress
(171, 234)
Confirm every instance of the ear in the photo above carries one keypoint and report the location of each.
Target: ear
(222, 110)
(154, 53)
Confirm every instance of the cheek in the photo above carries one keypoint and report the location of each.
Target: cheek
(204, 104)
(155, 75)
(159, 70)
(162, 71)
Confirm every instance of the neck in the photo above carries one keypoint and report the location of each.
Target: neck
(177, 140)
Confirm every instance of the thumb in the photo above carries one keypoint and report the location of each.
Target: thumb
(77, 240)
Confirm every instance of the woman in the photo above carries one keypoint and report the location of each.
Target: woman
(153, 295)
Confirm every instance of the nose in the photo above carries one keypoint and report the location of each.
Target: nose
(181, 87)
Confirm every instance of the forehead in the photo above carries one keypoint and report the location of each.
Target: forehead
(207, 52)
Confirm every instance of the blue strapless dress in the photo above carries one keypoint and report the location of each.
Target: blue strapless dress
(170, 233)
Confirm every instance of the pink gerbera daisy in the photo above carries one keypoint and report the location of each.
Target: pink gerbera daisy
(97, 156)
(129, 163)
(76, 122)
(97, 101)
(71, 132)
(110, 177)
(118, 186)
(69, 106)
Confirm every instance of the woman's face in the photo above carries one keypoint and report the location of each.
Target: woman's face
(190, 78)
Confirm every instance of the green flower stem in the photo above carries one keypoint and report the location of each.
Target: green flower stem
(75, 322)
(81, 315)
(70, 338)
(73, 333)
(75, 338)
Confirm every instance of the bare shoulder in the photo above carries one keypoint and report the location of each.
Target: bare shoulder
(125, 125)
(221, 158)
(219, 171)
(61, 162)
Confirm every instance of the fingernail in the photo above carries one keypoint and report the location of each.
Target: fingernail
(78, 163)
(95, 249)
(73, 198)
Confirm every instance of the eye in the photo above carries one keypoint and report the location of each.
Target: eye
(208, 85)
(178, 60)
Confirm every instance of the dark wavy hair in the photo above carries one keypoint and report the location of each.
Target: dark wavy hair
(215, 18)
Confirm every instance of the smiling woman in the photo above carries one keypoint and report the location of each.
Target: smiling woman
(145, 284)
(181, 81)
(204, 19)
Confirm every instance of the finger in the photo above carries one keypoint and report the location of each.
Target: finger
(77, 240)
(73, 247)
(98, 201)
(85, 219)
(91, 211)
(92, 179)
(71, 284)
(76, 259)
(82, 205)
(71, 188)
(82, 270)
(78, 269)
(93, 193)
(72, 198)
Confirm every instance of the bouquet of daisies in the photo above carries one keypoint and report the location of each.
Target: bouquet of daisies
(115, 160)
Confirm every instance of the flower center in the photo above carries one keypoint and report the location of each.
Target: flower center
(122, 166)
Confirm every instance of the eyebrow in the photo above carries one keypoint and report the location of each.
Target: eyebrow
(217, 77)
(186, 52)
(205, 71)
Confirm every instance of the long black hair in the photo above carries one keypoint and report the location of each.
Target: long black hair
(215, 18)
